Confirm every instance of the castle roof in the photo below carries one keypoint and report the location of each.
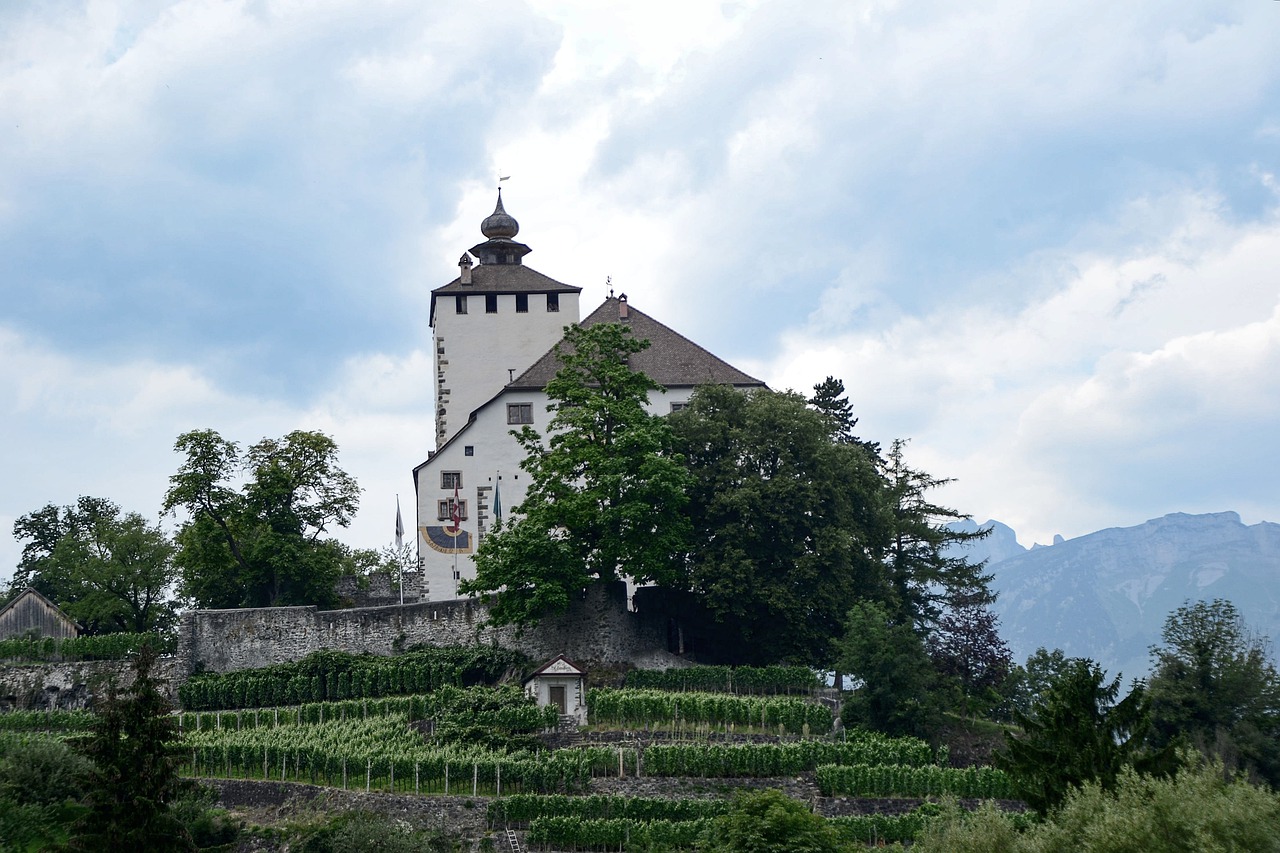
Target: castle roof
(671, 360)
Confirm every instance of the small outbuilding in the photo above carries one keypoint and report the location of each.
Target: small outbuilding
(561, 683)
(31, 614)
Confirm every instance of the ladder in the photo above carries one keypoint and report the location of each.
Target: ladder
(513, 841)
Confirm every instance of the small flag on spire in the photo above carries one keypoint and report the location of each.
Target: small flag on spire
(399, 526)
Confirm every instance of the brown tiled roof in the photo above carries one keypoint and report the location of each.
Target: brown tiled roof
(671, 360)
(505, 278)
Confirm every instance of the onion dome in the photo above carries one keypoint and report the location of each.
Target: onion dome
(499, 227)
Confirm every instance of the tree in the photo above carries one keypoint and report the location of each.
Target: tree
(923, 571)
(787, 523)
(1199, 808)
(1214, 685)
(135, 776)
(109, 570)
(965, 645)
(261, 544)
(607, 493)
(829, 399)
(769, 822)
(898, 686)
(1028, 684)
(1078, 733)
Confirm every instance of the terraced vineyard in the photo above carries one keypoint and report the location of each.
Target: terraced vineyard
(655, 767)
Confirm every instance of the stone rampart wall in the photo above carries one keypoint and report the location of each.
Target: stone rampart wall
(598, 628)
(75, 685)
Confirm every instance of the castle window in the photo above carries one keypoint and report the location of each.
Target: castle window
(468, 450)
(444, 510)
(522, 303)
(491, 303)
(460, 304)
(553, 302)
(676, 407)
(451, 479)
(519, 413)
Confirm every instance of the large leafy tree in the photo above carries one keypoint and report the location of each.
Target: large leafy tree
(108, 569)
(607, 493)
(787, 523)
(1077, 733)
(1214, 685)
(254, 535)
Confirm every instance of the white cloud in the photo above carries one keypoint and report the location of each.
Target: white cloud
(1139, 385)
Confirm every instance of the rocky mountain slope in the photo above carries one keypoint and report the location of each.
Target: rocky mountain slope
(1106, 595)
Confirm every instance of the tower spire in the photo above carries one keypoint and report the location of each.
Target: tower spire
(500, 229)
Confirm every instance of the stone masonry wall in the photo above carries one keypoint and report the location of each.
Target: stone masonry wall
(597, 628)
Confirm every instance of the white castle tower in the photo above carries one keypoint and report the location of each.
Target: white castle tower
(495, 327)
(492, 322)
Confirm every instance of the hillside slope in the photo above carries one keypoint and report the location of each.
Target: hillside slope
(1106, 595)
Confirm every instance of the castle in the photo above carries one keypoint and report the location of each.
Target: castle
(494, 330)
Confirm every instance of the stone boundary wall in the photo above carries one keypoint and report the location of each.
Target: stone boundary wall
(597, 628)
(74, 685)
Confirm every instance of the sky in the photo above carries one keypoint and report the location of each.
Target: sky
(1041, 241)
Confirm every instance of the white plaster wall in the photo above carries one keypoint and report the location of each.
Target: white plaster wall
(496, 454)
(483, 351)
(575, 699)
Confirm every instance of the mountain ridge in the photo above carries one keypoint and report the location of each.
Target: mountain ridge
(1105, 595)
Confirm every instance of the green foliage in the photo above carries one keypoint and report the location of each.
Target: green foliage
(359, 832)
(654, 707)
(877, 829)
(922, 574)
(781, 759)
(965, 646)
(41, 771)
(334, 676)
(766, 680)
(606, 495)
(1029, 684)
(99, 647)
(898, 690)
(46, 721)
(207, 825)
(769, 822)
(135, 777)
(1213, 685)
(829, 399)
(381, 751)
(986, 830)
(108, 570)
(1077, 733)
(261, 545)
(1197, 810)
(786, 523)
(571, 833)
(884, 780)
